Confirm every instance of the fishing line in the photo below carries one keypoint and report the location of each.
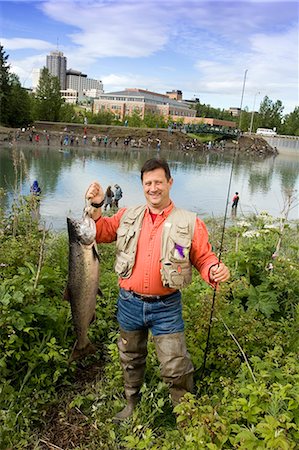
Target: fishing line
(219, 260)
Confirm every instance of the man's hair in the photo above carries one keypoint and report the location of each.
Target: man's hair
(153, 164)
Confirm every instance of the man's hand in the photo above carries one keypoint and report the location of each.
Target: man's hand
(219, 273)
(95, 195)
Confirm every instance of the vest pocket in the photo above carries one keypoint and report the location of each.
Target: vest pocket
(122, 265)
(179, 279)
(179, 249)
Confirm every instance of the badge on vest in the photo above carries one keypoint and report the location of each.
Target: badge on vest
(180, 251)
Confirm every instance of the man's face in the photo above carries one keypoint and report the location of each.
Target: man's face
(156, 189)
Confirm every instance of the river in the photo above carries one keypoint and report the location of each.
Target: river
(201, 180)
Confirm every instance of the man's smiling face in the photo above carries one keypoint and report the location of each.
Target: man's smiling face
(156, 189)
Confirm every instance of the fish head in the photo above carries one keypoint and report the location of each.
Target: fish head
(83, 231)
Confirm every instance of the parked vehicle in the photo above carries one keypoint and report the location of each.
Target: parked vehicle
(266, 132)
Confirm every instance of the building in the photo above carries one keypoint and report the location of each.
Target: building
(126, 102)
(175, 95)
(85, 87)
(235, 112)
(36, 73)
(75, 85)
(56, 64)
(69, 95)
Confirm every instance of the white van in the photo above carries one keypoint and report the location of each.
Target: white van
(266, 131)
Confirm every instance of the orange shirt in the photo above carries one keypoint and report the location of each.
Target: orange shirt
(146, 278)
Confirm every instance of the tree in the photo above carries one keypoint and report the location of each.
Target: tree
(152, 120)
(48, 100)
(135, 119)
(67, 113)
(19, 109)
(5, 87)
(291, 123)
(270, 114)
(203, 110)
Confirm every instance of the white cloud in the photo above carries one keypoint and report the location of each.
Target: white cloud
(115, 82)
(113, 29)
(24, 68)
(23, 43)
(272, 63)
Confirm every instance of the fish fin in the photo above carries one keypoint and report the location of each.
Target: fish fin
(66, 294)
(95, 252)
(77, 353)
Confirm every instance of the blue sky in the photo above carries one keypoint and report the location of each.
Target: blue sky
(200, 47)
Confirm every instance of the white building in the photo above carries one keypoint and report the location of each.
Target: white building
(36, 73)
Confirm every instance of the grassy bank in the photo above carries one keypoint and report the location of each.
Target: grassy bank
(248, 397)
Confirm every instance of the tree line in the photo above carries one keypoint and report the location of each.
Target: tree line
(19, 107)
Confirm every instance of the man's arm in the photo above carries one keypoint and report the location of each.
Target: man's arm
(203, 259)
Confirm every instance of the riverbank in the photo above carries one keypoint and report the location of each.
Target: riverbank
(50, 133)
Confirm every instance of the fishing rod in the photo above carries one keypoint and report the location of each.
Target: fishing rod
(219, 260)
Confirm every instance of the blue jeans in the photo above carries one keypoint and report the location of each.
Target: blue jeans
(162, 317)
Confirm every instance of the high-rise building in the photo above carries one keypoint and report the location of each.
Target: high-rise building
(86, 87)
(56, 64)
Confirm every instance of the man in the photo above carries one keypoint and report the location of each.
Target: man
(157, 244)
(117, 194)
(235, 200)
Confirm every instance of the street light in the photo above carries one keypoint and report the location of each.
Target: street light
(243, 89)
(252, 113)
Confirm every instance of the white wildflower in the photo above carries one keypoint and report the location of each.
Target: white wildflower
(243, 224)
(250, 234)
(270, 226)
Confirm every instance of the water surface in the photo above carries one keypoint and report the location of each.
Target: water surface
(200, 179)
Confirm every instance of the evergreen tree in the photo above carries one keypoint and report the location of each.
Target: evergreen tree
(5, 87)
(48, 100)
(291, 123)
(270, 114)
(20, 104)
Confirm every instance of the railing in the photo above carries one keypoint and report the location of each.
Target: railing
(210, 129)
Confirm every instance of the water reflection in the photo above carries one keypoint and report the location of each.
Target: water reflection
(200, 179)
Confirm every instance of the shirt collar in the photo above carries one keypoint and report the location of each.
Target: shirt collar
(165, 212)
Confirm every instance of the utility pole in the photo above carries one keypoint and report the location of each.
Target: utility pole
(243, 89)
(252, 113)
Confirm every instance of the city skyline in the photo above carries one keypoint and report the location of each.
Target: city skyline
(202, 48)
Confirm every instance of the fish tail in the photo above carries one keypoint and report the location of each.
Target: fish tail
(78, 353)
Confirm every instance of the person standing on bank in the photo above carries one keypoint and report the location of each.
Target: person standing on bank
(117, 194)
(108, 198)
(156, 246)
(236, 199)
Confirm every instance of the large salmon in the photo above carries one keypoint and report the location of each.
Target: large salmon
(83, 281)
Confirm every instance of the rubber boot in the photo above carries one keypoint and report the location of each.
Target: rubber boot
(175, 363)
(132, 347)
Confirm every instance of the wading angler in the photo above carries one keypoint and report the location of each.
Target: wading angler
(156, 246)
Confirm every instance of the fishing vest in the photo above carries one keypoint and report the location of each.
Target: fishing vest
(177, 234)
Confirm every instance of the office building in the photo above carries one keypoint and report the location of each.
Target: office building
(56, 64)
(126, 102)
(86, 87)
